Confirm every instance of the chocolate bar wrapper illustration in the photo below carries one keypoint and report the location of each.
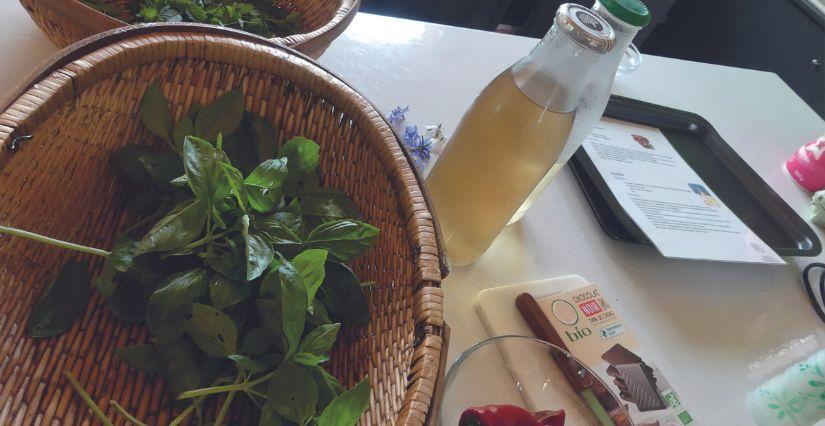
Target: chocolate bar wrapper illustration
(595, 334)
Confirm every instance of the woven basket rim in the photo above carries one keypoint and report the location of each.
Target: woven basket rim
(66, 56)
(346, 10)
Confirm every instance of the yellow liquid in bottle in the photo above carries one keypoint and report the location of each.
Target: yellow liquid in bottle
(503, 147)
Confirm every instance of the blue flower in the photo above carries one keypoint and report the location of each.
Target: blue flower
(417, 144)
(397, 115)
(422, 149)
(411, 136)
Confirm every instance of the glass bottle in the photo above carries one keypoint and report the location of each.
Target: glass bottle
(513, 133)
(626, 17)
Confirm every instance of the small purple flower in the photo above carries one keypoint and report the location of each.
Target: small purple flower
(417, 144)
(397, 115)
(411, 136)
(422, 149)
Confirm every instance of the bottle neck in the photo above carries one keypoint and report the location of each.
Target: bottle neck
(555, 72)
(624, 31)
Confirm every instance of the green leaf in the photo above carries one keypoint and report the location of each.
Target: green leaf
(213, 331)
(291, 217)
(163, 167)
(271, 284)
(342, 295)
(816, 383)
(167, 14)
(224, 292)
(148, 14)
(240, 146)
(263, 200)
(259, 254)
(180, 227)
(294, 20)
(181, 181)
(119, 260)
(292, 392)
(231, 263)
(320, 340)
(328, 204)
(184, 128)
(196, 13)
(309, 360)
(144, 357)
(328, 386)
(294, 300)
(61, 303)
(235, 179)
(130, 299)
(318, 314)
(194, 109)
(239, 313)
(269, 174)
(249, 364)
(155, 113)
(170, 305)
(347, 408)
(182, 371)
(152, 269)
(278, 233)
(310, 264)
(256, 341)
(221, 116)
(128, 160)
(271, 316)
(266, 139)
(270, 417)
(206, 177)
(302, 157)
(346, 240)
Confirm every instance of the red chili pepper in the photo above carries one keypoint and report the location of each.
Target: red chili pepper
(509, 415)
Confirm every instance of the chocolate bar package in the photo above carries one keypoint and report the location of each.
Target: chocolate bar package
(595, 334)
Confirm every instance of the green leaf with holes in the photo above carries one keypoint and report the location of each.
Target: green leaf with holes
(213, 331)
(292, 392)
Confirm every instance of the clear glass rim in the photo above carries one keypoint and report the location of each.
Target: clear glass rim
(631, 59)
(453, 370)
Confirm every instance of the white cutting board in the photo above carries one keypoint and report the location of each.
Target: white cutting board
(496, 307)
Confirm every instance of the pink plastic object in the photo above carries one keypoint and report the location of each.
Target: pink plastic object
(807, 166)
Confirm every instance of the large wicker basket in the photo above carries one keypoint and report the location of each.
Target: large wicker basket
(83, 104)
(68, 21)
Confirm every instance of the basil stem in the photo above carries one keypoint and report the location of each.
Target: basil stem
(52, 241)
(228, 388)
(182, 416)
(226, 403)
(86, 398)
(122, 411)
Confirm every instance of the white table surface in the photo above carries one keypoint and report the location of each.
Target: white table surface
(704, 322)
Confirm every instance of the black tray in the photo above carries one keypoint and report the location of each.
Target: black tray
(742, 190)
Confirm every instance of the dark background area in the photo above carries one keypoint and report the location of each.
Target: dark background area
(786, 37)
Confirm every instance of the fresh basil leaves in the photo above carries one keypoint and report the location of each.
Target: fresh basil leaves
(260, 17)
(237, 271)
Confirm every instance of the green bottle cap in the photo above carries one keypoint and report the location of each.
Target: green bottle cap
(634, 12)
